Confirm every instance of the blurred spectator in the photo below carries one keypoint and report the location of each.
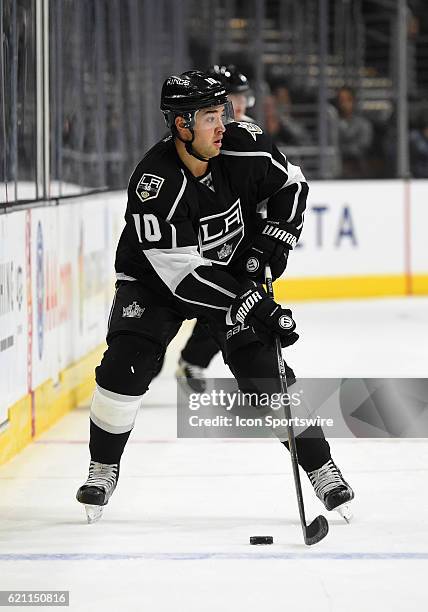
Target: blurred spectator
(355, 136)
(291, 118)
(419, 147)
(279, 121)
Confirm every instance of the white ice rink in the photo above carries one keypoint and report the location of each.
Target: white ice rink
(175, 535)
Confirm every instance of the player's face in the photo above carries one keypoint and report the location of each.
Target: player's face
(239, 102)
(209, 129)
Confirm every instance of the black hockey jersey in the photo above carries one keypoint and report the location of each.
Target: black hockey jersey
(184, 236)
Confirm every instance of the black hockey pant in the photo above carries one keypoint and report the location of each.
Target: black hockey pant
(139, 332)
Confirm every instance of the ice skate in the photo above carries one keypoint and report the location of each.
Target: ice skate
(191, 377)
(98, 489)
(331, 488)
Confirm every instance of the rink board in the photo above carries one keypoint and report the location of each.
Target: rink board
(361, 239)
(40, 409)
(56, 276)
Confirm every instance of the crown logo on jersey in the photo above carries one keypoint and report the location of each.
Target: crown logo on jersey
(225, 251)
(133, 311)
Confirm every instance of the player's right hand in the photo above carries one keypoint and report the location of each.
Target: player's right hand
(272, 242)
(257, 256)
(255, 308)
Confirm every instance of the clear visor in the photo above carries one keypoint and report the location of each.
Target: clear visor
(214, 116)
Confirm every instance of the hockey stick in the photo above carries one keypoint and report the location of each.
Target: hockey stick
(318, 529)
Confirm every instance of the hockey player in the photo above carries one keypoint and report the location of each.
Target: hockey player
(200, 347)
(191, 239)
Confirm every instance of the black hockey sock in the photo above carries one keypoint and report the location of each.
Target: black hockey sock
(106, 447)
(313, 450)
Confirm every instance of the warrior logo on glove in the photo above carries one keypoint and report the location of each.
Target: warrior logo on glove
(250, 299)
(256, 309)
(252, 265)
(286, 322)
(275, 232)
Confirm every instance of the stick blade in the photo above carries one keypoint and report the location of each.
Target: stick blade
(316, 531)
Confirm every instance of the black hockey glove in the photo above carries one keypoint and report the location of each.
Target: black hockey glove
(255, 308)
(271, 245)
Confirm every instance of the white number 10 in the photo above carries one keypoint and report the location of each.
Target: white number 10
(151, 228)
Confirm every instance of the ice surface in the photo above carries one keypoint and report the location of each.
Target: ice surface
(175, 535)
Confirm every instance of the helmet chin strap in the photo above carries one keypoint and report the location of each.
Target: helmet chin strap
(190, 149)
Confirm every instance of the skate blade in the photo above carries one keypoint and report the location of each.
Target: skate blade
(345, 512)
(93, 513)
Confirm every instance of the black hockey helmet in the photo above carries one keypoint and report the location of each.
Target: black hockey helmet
(185, 94)
(233, 80)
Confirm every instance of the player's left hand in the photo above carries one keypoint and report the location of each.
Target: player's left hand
(255, 308)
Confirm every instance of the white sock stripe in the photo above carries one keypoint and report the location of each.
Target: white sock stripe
(113, 429)
(117, 396)
(114, 413)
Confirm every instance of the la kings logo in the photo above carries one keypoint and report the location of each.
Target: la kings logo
(220, 235)
(149, 186)
(251, 128)
(133, 311)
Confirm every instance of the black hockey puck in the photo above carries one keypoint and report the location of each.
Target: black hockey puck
(261, 540)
